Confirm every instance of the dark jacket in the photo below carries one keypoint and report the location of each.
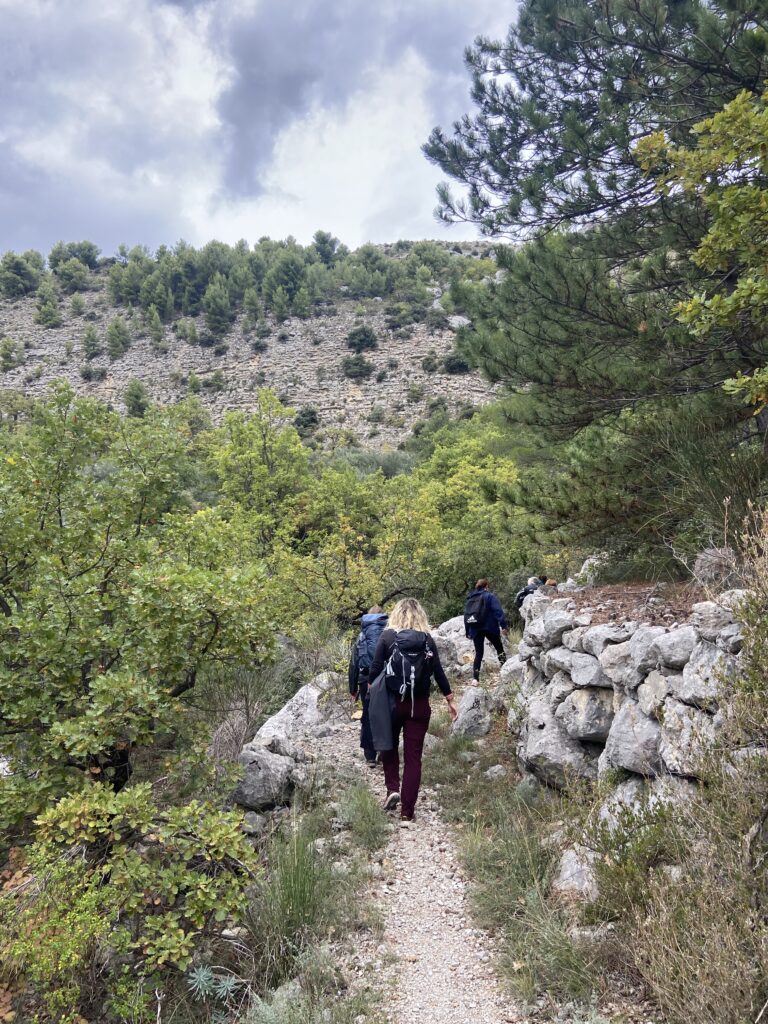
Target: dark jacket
(521, 595)
(385, 647)
(372, 627)
(493, 620)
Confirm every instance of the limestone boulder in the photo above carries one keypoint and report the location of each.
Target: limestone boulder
(641, 647)
(512, 671)
(268, 781)
(453, 632)
(576, 877)
(686, 733)
(572, 639)
(733, 600)
(652, 693)
(716, 567)
(559, 688)
(587, 714)
(535, 633)
(709, 618)
(447, 651)
(558, 659)
(474, 713)
(618, 667)
(597, 638)
(706, 676)
(304, 712)
(633, 742)
(673, 649)
(625, 801)
(731, 638)
(548, 751)
(534, 605)
(586, 671)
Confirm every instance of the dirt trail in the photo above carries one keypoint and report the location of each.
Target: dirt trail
(432, 964)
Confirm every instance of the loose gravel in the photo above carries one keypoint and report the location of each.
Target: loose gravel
(430, 963)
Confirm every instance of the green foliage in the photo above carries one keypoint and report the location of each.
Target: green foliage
(91, 344)
(157, 882)
(136, 398)
(365, 817)
(187, 331)
(580, 325)
(356, 367)
(20, 274)
(48, 313)
(306, 420)
(362, 339)
(77, 305)
(11, 354)
(217, 306)
(112, 600)
(85, 253)
(156, 330)
(118, 338)
(72, 275)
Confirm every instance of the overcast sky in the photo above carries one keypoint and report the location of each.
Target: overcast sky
(145, 121)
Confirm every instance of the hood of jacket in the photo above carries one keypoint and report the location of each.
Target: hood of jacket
(378, 619)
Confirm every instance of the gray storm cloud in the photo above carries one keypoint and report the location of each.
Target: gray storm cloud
(118, 117)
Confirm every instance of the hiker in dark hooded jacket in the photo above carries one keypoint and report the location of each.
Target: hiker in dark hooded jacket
(484, 619)
(408, 634)
(372, 623)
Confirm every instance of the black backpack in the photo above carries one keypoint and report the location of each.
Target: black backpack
(410, 664)
(474, 610)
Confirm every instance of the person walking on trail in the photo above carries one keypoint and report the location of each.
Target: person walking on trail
(407, 652)
(372, 625)
(531, 587)
(484, 620)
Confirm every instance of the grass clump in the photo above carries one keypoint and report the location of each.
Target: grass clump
(365, 817)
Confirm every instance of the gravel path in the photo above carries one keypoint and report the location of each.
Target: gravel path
(434, 964)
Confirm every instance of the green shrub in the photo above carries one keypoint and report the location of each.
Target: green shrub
(307, 420)
(77, 305)
(362, 339)
(430, 363)
(118, 338)
(357, 367)
(455, 364)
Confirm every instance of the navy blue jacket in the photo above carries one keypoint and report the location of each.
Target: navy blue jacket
(373, 626)
(493, 620)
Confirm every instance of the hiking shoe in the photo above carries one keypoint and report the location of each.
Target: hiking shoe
(393, 799)
(502, 658)
(371, 762)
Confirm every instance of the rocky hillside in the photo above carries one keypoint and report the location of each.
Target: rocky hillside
(301, 359)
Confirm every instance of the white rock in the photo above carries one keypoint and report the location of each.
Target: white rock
(572, 639)
(586, 671)
(474, 714)
(587, 714)
(576, 878)
(685, 735)
(556, 660)
(306, 710)
(709, 618)
(652, 693)
(616, 662)
(633, 742)
(673, 649)
(641, 647)
(706, 676)
(547, 750)
(597, 638)
(496, 771)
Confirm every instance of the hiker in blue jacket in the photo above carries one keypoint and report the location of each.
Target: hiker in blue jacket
(484, 620)
(373, 624)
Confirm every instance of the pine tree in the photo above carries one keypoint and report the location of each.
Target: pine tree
(92, 347)
(281, 306)
(136, 398)
(156, 330)
(301, 305)
(217, 306)
(48, 313)
(118, 338)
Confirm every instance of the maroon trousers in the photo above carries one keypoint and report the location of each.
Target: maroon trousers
(414, 728)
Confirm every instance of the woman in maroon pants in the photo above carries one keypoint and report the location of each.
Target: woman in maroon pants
(415, 662)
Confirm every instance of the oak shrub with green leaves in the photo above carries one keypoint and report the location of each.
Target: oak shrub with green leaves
(113, 596)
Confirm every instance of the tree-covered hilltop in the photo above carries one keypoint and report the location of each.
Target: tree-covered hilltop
(633, 443)
(341, 335)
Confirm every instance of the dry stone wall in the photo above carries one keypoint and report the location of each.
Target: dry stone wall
(624, 695)
(302, 363)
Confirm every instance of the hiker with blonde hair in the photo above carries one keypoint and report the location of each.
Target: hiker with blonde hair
(407, 655)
